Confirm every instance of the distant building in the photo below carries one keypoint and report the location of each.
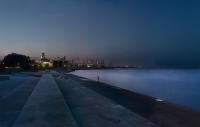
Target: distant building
(46, 63)
(60, 62)
(43, 58)
(77, 63)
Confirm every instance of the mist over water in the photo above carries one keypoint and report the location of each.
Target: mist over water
(176, 86)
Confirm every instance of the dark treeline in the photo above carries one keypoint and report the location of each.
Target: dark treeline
(16, 61)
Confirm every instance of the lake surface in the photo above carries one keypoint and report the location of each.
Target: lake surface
(177, 86)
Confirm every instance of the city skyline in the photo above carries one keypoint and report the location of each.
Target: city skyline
(140, 32)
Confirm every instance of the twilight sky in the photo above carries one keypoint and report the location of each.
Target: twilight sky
(154, 33)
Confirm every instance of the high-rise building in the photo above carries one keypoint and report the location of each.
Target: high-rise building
(45, 62)
(43, 56)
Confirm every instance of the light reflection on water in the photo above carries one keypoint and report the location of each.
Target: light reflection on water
(177, 86)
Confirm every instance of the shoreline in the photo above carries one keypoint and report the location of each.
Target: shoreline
(160, 112)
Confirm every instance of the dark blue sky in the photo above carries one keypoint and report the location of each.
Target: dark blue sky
(160, 33)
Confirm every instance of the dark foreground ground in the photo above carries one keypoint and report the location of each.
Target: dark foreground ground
(162, 113)
(55, 100)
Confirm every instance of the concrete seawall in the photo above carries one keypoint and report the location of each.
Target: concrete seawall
(162, 113)
(91, 109)
(71, 101)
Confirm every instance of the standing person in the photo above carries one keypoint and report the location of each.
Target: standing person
(97, 77)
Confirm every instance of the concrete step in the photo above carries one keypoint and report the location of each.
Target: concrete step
(46, 107)
(13, 101)
(90, 109)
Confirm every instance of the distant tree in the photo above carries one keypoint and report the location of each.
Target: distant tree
(1, 65)
(17, 60)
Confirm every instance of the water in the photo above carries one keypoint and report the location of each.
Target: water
(176, 86)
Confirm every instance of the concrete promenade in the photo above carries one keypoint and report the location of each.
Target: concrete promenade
(57, 100)
(14, 95)
(46, 107)
(63, 102)
(90, 109)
